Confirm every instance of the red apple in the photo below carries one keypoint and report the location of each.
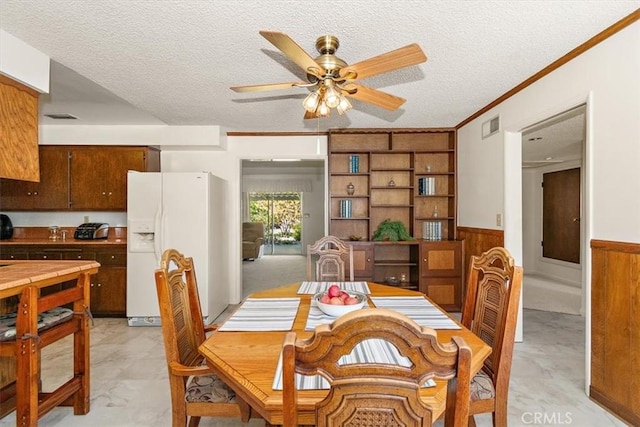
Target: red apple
(325, 299)
(351, 301)
(344, 295)
(333, 291)
(336, 301)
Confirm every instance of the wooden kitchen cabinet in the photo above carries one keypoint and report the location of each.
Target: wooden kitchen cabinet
(51, 193)
(98, 175)
(108, 287)
(18, 130)
(442, 272)
(85, 178)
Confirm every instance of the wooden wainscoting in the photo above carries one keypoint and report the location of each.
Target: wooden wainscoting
(478, 240)
(615, 328)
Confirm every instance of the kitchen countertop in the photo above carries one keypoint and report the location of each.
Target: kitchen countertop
(67, 242)
(40, 236)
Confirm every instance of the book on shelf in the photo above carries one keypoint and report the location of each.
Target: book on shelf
(427, 186)
(432, 230)
(345, 208)
(354, 163)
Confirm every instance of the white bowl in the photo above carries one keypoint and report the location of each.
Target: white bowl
(335, 310)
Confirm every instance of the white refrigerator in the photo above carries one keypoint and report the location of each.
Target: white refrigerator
(184, 211)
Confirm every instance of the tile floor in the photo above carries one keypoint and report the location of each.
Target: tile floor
(129, 385)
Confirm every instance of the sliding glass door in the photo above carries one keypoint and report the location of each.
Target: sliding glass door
(281, 212)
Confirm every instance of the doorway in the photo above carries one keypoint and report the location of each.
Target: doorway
(552, 174)
(281, 213)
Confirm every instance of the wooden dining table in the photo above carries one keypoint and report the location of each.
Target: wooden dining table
(247, 360)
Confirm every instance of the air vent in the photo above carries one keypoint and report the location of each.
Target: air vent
(490, 127)
(61, 116)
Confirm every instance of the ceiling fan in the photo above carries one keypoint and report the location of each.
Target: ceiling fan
(333, 79)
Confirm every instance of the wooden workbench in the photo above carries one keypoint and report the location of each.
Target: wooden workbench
(34, 283)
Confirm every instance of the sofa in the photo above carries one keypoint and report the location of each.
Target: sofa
(252, 239)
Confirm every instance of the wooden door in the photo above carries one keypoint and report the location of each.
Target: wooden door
(121, 160)
(99, 176)
(52, 192)
(16, 195)
(362, 260)
(561, 215)
(108, 292)
(87, 172)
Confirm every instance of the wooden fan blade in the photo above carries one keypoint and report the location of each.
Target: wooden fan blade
(396, 59)
(265, 87)
(374, 96)
(293, 51)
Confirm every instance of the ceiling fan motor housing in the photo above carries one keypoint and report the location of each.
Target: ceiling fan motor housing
(331, 64)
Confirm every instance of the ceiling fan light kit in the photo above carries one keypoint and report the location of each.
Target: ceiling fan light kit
(334, 78)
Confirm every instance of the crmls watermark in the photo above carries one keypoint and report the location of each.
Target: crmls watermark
(547, 418)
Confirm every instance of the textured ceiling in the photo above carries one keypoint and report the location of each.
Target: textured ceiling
(149, 62)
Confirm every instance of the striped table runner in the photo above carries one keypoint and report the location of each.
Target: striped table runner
(418, 309)
(315, 287)
(263, 314)
(368, 351)
(317, 317)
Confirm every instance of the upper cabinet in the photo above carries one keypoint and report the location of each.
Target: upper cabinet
(98, 175)
(19, 130)
(82, 178)
(404, 175)
(51, 193)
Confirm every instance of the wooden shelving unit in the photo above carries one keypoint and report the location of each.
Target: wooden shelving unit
(406, 175)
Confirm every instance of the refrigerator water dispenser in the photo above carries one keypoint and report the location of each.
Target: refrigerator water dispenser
(141, 236)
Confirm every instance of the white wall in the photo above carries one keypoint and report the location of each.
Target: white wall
(24, 63)
(606, 78)
(228, 165)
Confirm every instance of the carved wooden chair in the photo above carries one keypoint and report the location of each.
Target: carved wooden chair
(332, 254)
(377, 394)
(195, 390)
(491, 312)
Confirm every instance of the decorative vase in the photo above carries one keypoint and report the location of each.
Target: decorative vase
(351, 189)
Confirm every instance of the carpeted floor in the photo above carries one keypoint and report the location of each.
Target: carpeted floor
(270, 271)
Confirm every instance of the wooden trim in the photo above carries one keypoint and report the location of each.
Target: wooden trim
(13, 83)
(276, 133)
(390, 130)
(486, 231)
(614, 408)
(603, 35)
(344, 130)
(607, 245)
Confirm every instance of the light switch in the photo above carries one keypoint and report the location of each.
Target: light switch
(498, 220)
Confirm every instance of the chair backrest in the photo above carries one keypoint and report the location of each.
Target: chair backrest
(491, 306)
(332, 254)
(180, 314)
(252, 231)
(386, 392)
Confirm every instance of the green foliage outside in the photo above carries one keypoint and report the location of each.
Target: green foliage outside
(286, 215)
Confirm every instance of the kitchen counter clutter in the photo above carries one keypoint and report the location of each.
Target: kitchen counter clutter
(108, 287)
(40, 287)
